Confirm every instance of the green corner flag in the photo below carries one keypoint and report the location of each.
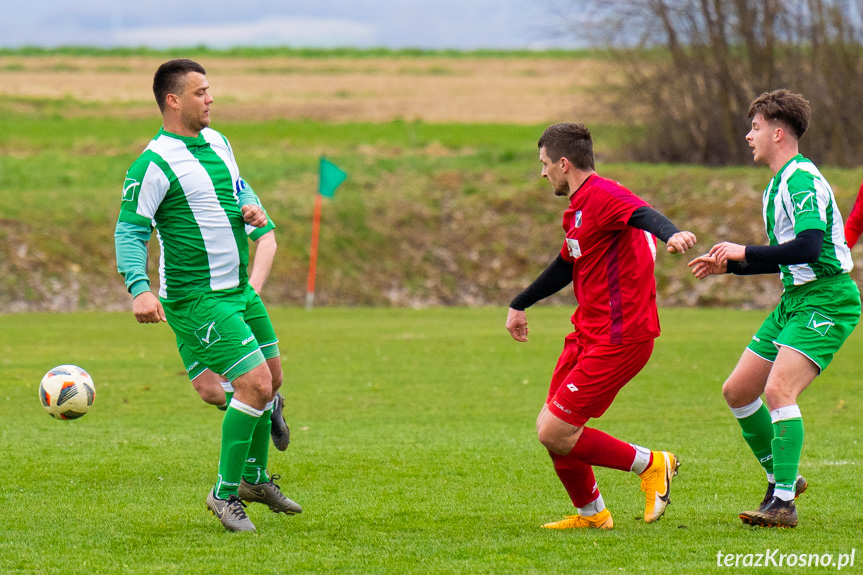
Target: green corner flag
(331, 178)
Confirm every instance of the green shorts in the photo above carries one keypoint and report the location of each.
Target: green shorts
(227, 331)
(814, 319)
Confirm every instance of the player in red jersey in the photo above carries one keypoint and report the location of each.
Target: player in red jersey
(608, 256)
(854, 223)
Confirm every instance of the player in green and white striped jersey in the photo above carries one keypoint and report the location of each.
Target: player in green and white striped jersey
(187, 186)
(819, 308)
(212, 388)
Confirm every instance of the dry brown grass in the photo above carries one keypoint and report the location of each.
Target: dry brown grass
(431, 89)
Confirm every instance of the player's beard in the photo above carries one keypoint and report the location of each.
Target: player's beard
(562, 190)
(197, 123)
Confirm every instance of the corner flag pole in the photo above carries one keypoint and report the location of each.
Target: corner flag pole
(313, 256)
(331, 177)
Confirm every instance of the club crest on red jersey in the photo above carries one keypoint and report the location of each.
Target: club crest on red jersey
(578, 219)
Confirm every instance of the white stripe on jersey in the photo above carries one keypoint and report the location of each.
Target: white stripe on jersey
(163, 290)
(153, 190)
(222, 253)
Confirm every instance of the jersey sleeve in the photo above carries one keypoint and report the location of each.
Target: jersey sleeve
(255, 233)
(618, 206)
(807, 201)
(854, 223)
(144, 189)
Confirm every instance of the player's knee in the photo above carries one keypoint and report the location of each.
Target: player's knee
(259, 382)
(778, 395)
(212, 396)
(265, 383)
(550, 438)
(210, 391)
(731, 393)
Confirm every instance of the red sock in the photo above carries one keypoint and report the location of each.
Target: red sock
(597, 448)
(577, 478)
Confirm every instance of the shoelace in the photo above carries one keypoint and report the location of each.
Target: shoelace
(238, 511)
(273, 481)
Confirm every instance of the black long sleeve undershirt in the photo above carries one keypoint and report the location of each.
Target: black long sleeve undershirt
(647, 219)
(804, 249)
(554, 278)
(750, 269)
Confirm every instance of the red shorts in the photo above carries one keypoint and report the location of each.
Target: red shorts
(588, 377)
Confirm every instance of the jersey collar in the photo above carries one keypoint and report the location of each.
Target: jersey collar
(575, 193)
(188, 140)
(796, 158)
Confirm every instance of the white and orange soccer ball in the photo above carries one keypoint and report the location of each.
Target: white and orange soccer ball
(67, 392)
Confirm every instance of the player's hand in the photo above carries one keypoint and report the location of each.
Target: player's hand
(727, 251)
(147, 308)
(516, 324)
(254, 215)
(680, 242)
(705, 265)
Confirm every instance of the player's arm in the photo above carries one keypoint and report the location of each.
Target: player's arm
(854, 223)
(737, 259)
(253, 213)
(805, 248)
(650, 220)
(130, 243)
(808, 200)
(554, 278)
(265, 252)
(143, 192)
(265, 248)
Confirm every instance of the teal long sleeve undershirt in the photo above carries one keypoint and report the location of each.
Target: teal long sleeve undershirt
(247, 197)
(130, 242)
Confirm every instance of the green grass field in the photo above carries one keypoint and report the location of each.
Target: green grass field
(413, 451)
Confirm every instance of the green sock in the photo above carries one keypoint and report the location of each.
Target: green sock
(228, 396)
(237, 429)
(787, 445)
(758, 433)
(255, 470)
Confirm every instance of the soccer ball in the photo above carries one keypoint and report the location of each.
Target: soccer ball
(67, 392)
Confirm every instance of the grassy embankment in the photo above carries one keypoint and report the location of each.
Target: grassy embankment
(432, 213)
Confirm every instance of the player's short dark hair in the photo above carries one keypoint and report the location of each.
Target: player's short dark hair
(571, 141)
(783, 106)
(170, 78)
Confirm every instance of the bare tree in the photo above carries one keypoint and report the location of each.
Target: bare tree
(693, 66)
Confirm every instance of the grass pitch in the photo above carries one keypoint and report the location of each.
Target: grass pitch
(413, 451)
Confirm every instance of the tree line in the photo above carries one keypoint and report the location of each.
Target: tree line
(695, 65)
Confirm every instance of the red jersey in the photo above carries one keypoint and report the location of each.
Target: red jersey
(613, 265)
(854, 223)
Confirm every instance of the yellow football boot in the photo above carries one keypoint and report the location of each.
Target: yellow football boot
(656, 484)
(601, 520)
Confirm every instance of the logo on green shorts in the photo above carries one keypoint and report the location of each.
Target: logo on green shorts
(207, 334)
(820, 323)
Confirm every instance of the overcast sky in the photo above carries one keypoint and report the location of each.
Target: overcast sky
(460, 24)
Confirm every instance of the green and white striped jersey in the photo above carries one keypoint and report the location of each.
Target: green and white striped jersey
(799, 198)
(190, 191)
